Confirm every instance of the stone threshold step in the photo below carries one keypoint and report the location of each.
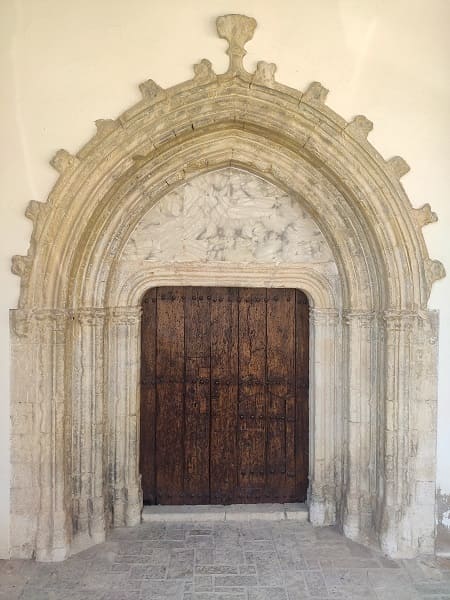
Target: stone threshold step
(233, 512)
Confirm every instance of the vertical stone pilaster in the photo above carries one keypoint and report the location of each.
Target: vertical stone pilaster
(397, 479)
(25, 443)
(360, 413)
(39, 452)
(123, 389)
(88, 502)
(325, 423)
(423, 426)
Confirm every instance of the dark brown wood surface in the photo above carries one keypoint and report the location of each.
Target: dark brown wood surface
(224, 395)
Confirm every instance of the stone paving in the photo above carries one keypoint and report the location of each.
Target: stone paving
(252, 560)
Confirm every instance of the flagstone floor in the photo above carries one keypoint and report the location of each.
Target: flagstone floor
(252, 560)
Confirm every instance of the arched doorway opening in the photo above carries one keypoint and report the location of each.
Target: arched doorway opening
(224, 395)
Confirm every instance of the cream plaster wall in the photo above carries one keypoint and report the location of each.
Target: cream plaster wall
(65, 64)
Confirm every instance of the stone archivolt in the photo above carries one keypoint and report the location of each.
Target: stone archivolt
(76, 333)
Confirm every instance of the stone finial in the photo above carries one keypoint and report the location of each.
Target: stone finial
(265, 72)
(33, 209)
(150, 89)
(237, 30)
(203, 71)
(434, 270)
(360, 127)
(424, 215)
(105, 126)
(21, 265)
(399, 166)
(316, 92)
(63, 160)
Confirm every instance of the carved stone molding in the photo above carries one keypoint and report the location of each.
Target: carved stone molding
(75, 338)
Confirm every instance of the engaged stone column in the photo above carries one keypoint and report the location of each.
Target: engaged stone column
(52, 541)
(123, 390)
(88, 502)
(360, 423)
(325, 421)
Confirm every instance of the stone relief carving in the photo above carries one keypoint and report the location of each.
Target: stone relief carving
(228, 215)
(311, 206)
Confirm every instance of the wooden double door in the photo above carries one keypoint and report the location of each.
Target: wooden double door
(224, 395)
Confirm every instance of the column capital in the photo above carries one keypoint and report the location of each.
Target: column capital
(56, 316)
(20, 322)
(360, 318)
(324, 316)
(125, 315)
(400, 320)
(89, 316)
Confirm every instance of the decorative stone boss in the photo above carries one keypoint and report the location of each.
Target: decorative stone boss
(76, 332)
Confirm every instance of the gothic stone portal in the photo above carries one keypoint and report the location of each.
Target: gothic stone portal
(230, 180)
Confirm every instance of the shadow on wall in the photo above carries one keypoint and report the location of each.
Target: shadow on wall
(443, 523)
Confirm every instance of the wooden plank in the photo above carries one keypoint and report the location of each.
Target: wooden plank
(302, 394)
(197, 396)
(170, 395)
(224, 394)
(251, 425)
(280, 391)
(147, 463)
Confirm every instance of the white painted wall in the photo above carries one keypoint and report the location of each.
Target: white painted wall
(64, 64)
